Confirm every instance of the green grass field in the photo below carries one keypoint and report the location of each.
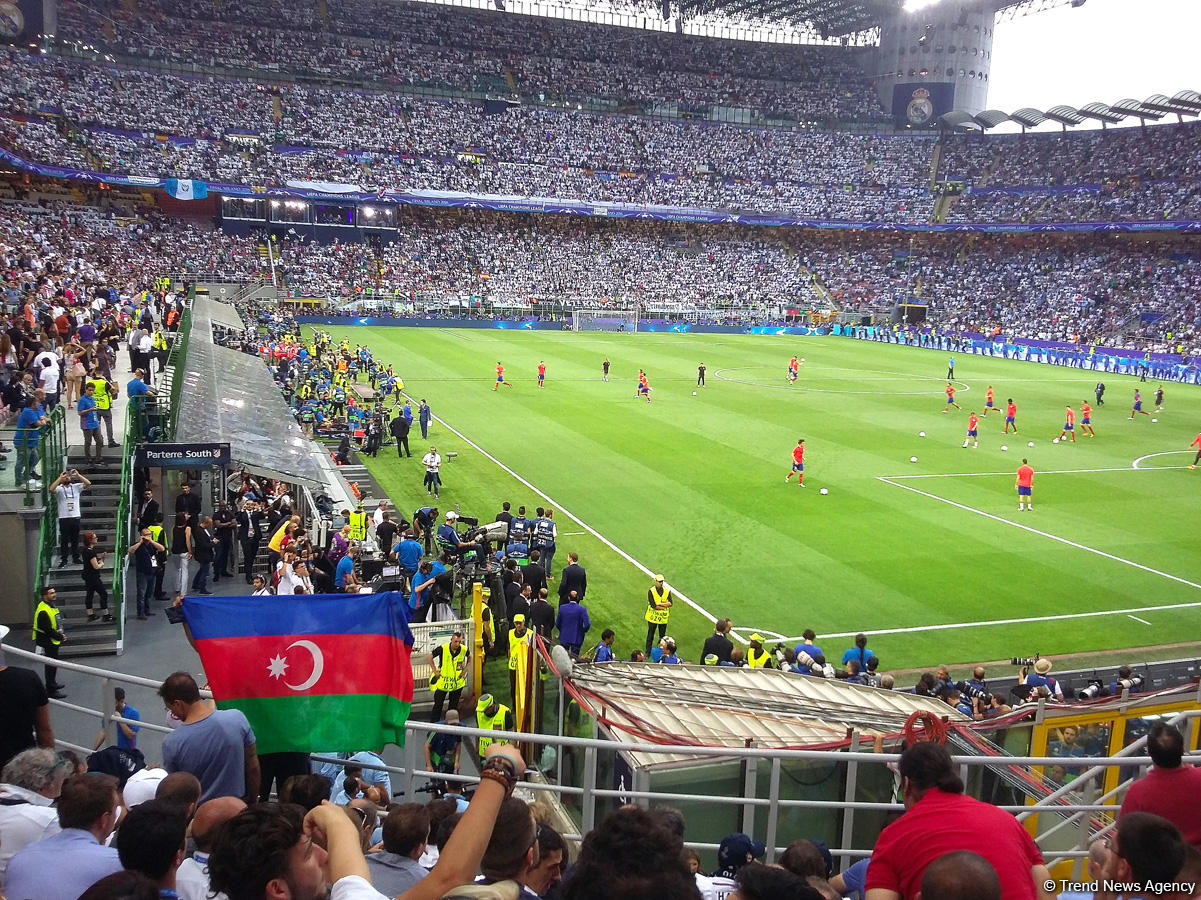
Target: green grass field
(932, 558)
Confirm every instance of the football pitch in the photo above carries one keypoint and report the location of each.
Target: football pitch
(931, 558)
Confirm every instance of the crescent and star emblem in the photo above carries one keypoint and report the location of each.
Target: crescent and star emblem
(278, 665)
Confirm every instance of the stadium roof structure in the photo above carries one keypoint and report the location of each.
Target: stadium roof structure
(1154, 108)
(719, 706)
(838, 18)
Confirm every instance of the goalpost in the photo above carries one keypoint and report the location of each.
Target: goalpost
(605, 319)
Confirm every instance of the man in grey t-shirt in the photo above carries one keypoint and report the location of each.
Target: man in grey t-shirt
(406, 831)
(215, 745)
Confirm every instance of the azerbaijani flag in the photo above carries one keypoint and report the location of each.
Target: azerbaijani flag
(315, 672)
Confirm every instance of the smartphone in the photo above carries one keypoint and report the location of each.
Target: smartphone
(175, 615)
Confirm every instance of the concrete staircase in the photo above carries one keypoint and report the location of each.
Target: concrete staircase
(98, 506)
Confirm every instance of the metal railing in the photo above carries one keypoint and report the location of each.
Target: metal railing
(135, 420)
(592, 790)
(177, 358)
(52, 456)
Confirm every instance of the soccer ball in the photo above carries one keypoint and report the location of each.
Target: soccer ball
(1003, 447)
(1155, 420)
(921, 434)
(694, 393)
(1054, 440)
(802, 359)
(1030, 444)
(913, 459)
(823, 490)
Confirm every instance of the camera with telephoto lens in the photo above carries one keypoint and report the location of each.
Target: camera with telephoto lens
(970, 690)
(1092, 690)
(824, 670)
(781, 657)
(1133, 684)
(1026, 661)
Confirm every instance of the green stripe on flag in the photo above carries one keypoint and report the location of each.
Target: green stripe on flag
(330, 723)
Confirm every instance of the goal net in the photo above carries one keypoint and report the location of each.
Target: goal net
(608, 319)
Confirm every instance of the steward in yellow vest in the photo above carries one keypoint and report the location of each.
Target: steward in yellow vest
(658, 609)
(757, 657)
(358, 525)
(48, 635)
(448, 663)
(491, 716)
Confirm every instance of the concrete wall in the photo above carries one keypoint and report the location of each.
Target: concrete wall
(20, 529)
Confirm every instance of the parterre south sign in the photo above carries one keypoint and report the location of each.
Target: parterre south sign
(182, 456)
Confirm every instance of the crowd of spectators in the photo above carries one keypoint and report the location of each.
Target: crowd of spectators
(448, 48)
(88, 115)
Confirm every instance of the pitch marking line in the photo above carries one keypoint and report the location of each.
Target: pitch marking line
(559, 506)
(1137, 619)
(1053, 537)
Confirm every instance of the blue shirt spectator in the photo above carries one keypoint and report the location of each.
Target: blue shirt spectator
(60, 867)
(408, 552)
(345, 567)
(27, 434)
(86, 407)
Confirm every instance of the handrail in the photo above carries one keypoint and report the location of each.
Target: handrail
(52, 447)
(593, 788)
(177, 359)
(134, 422)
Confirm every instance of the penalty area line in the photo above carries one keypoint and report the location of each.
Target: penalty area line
(559, 506)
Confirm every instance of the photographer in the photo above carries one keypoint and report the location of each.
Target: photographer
(147, 563)
(1125, 681)
(1041, 677)
(66, 490)
(448, 538)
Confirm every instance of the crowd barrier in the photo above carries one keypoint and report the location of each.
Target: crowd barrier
(1063, 823)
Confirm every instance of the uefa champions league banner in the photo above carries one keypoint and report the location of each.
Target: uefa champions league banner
(499, 203)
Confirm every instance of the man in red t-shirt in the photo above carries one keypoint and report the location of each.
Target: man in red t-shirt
(798, 463)
(1069, 424)
(1011, 412)
(940, 819)
(500, 377)
(1169, 789)
(950, 392)
(973, 433)
(1196, 443)
(1025, 486)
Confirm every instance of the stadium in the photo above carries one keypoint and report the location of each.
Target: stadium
(747, 333)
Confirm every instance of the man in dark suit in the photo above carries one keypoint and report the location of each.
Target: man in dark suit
(504, 516)
(573, 578)
(148, 510)
(249, 517)
(399, 428)
(719, 643)
(187, 502)
(533, 574)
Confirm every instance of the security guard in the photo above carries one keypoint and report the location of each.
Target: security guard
(448, 662)
(491, 716)
(658, 609)
(542, 538)
(756, 656)
(358, 524)
(520, 641)
(104, 389)
(156, 535)
(48, 635)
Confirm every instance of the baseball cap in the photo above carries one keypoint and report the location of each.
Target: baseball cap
(738, 850)
(452, 514)
(452, 717)
(485, 701)
(518, 618)
(756, 637)
(658, 578)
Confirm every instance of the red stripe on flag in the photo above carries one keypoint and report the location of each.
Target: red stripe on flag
(312, 665)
